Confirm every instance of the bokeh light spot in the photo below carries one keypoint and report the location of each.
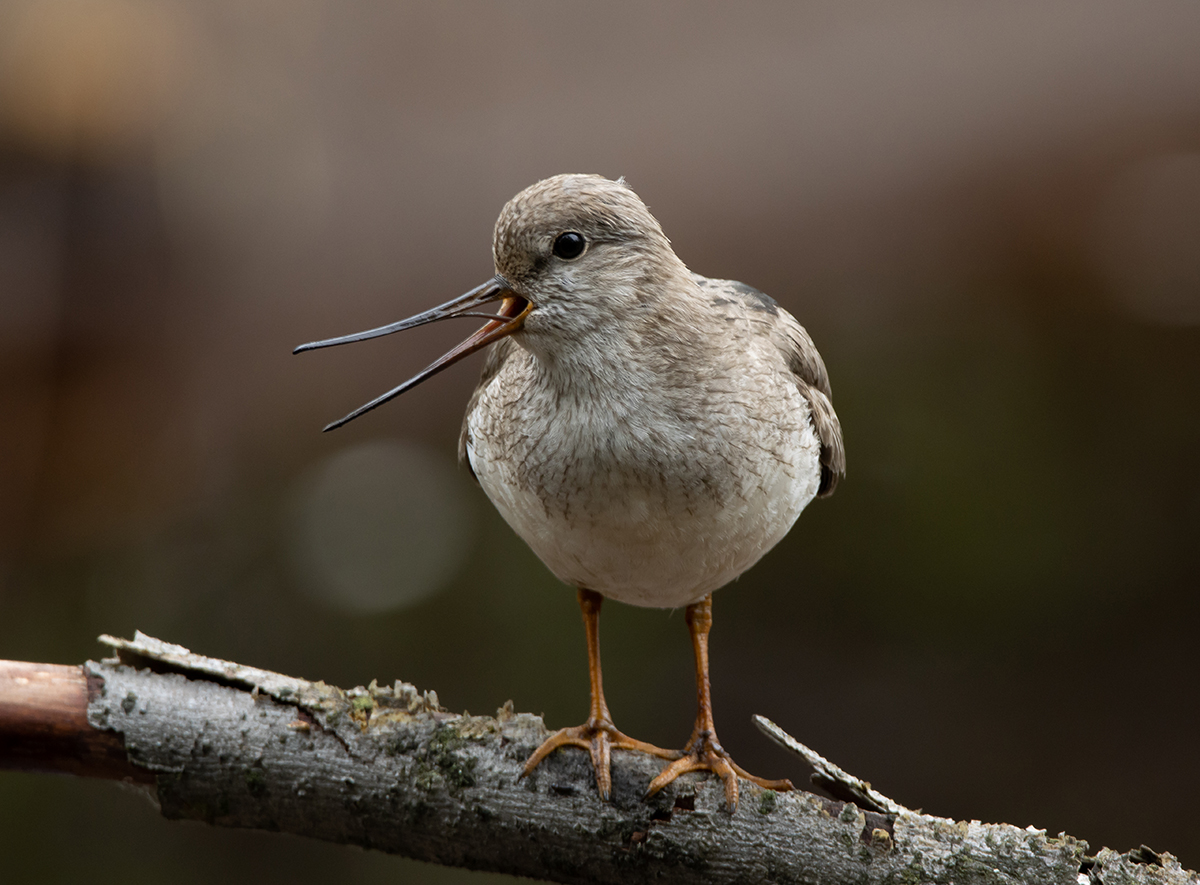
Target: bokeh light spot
(380, 526)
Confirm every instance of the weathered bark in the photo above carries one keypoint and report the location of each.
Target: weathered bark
(388, 768)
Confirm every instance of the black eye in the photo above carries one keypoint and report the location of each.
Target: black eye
(569, 245)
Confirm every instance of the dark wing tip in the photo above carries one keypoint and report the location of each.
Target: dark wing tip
(829, 481)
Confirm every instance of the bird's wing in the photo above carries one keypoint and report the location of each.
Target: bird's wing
(806, 365)
(497, 354)
(812, 379)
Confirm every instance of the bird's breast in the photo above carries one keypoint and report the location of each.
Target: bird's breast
(645, 496)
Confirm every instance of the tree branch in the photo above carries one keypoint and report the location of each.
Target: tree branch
(388, 768)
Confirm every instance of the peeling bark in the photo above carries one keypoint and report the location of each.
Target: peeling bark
(388, 768)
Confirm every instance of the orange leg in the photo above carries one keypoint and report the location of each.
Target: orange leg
(598, 735)
(704, 752)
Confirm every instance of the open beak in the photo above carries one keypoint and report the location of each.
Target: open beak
(510, 317)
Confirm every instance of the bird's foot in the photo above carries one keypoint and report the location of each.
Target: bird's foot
(704, 753)
(599, 737)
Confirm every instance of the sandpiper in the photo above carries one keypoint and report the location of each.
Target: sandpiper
(649, 432)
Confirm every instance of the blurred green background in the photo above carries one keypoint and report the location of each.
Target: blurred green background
(988, 217)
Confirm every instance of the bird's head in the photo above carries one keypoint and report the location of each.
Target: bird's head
(571, 252)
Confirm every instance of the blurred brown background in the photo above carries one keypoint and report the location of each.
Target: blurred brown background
(987, 215)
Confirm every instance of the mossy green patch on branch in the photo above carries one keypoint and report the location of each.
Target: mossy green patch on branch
(766, 802)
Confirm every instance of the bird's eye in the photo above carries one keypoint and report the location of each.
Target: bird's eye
(569, 245)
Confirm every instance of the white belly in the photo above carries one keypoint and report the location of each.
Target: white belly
(658, 513)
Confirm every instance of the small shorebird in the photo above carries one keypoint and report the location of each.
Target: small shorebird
(649, 432)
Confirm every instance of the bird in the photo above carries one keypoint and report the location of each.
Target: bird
(649, 432)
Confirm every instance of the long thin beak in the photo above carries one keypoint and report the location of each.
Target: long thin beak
(509, 319)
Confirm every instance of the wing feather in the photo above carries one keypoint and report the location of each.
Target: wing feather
(813, 381)
(805, 362)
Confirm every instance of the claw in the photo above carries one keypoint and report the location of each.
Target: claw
(703, 753)
(599, 738)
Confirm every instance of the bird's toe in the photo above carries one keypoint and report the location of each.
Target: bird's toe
(706, 754)
(599, 738)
